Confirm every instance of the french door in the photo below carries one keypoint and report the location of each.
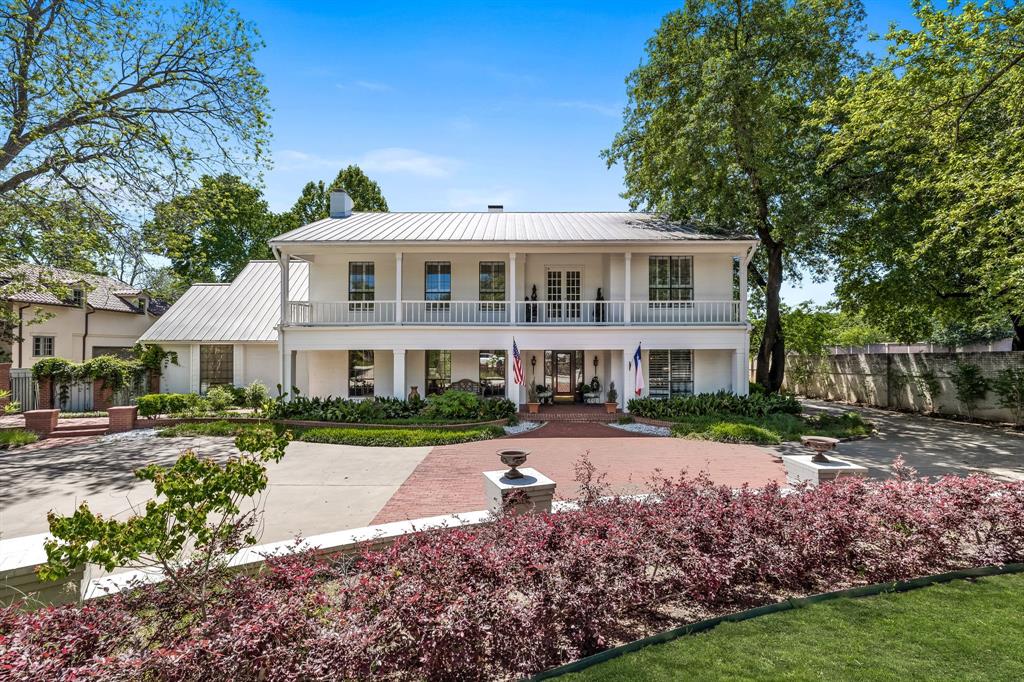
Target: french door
(563, 373)
(564, 292)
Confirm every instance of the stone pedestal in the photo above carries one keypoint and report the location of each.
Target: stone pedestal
(20, 558)
(42, 422)
(102, 395)
(122, 418)
(531, 493)
(800, 468)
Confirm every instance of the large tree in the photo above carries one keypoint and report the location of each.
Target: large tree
(314, 202)
(719, 130)
(210, 233)
(930, 144)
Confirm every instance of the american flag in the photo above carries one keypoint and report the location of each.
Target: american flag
(517, 365)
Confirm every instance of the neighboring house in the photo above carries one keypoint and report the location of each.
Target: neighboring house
(226, 333)
(100, 316)
(432, 300)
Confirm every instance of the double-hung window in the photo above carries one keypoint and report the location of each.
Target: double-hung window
(670, 373)
(492, 373)
(360, 286)
(670, 278)
(437, 284)
(492, 285)
(360, 373)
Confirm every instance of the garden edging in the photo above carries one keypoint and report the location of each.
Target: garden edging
(777, 607)
(173, 421)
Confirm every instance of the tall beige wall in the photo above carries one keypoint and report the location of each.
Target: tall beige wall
(67, 326)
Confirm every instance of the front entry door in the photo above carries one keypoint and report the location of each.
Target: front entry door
(565, 391)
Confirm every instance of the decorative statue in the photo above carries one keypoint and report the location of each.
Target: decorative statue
(600, 312)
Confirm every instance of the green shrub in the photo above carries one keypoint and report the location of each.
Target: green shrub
(255, 395)
(971, 386)
(58, 369)
(731, 428)
(397, 437)
(742, 433)
(189, 404)
(723, 402)
(150, 405)
(219, 428)
(13, 438)
(1009, 386)
(452, 406)
(220, 398)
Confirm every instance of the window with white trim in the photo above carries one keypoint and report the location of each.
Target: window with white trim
(216, 366)
(361, 285)
(670, 373)
(439, 371)
(42, 346)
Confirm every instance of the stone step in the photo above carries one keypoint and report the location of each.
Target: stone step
(77, 431)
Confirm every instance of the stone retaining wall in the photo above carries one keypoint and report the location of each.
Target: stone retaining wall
(917, 382)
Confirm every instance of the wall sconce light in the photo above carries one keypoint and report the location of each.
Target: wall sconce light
(595, 363)
(533, 361)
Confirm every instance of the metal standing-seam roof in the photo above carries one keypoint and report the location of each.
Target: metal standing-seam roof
(246, 309)
(499, 227)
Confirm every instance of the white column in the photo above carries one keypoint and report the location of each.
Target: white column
(627, 289)
(628, 385)
(398, 292)
(287, 368)
(743, 288)
(510, 282)
(284, 366)
(398, 388)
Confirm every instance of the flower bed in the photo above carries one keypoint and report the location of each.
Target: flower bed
(528, 592)
(325, 432)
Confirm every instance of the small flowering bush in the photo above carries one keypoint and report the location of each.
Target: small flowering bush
(528, 592)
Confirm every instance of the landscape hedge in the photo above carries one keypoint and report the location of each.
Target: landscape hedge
(526, 593)
(723, 402)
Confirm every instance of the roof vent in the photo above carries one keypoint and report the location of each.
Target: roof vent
(341, 204)
(495, 208)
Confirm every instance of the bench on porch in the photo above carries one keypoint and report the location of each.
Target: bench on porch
(467, 385)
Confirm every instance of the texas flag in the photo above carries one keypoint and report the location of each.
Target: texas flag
(638, 377)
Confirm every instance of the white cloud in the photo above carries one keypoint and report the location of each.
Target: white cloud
(603, 109)
(388, 160)
(410, 161)
(463, 199)
(373, 86)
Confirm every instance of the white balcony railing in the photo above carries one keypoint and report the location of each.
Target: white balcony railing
(685, 312)
(487, 313)
(342, 312)
(570, 313)
(455, 312)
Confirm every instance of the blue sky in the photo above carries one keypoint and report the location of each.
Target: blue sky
(454, 105)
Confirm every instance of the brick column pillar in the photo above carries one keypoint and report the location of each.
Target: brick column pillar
(102, 395)
(152, 381)
(46, 393)
(122, 418)
(42, 422)
(5, 382)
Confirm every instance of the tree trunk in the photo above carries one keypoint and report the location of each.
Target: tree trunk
(771, 355)
(1018, 332)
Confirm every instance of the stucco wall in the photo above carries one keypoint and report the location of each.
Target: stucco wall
(898, 380)
(251, 361)
(67, 326)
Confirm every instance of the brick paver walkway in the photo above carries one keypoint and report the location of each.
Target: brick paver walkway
(448, 480)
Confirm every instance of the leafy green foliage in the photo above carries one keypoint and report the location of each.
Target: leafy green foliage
(256, 395)
(1009, 387)
(971, 385)
(930, 144)
(190, 404)
(769, 429)
(57, 369)
(220, 398)
(197, 509)
(398, 437)
(464, 407)
(153, 357)
(723, 402)
(13, 438)
(720, 131)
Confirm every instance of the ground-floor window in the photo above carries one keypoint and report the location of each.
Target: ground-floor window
(42, 346)
(216, 366)
(670, 373)
(117, 351)
(439, 371)
(492, 373)
(360, 373)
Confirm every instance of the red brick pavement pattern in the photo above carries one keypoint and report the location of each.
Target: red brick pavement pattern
(449, 480)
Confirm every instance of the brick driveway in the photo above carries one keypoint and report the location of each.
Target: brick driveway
(449, 480)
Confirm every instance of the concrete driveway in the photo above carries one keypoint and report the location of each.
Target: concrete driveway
(315, 488)
(932, 446)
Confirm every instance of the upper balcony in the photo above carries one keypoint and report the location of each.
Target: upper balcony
(566, 313)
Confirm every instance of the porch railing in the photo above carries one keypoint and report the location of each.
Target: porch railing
(570, 313)
(455, 312)
(685, 312)
(342, 312)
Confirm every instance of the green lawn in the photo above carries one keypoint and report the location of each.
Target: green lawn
(13, 438)
(957, 631)
(769, 430)
(343, 436)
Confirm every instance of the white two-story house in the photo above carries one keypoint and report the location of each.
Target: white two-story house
(430, 300)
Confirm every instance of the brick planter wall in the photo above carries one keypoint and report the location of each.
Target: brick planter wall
(46, 393)
(122, 418)
(102, 395)
(5, 381)
(42, 422)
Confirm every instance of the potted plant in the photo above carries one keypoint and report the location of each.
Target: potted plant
(612, 403)
(532, 401)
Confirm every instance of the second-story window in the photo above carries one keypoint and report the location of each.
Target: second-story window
(437, 282)
(670, 278)
(492, 283)
(360, 284)
(77, 297)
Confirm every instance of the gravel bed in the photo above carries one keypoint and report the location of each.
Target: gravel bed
(644, 428)
(522, 427)
(137, 434)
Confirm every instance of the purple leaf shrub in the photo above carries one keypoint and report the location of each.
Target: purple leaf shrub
(528, 591)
